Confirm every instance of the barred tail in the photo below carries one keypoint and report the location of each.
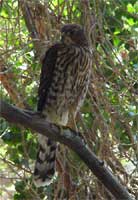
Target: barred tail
(45, 163)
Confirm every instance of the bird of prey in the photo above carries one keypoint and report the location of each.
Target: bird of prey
(64, 81)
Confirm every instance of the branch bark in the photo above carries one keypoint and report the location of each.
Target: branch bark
(70, 138)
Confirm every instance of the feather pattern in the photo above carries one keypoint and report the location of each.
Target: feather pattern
(64, 81)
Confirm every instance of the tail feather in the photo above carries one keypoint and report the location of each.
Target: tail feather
(45, 163)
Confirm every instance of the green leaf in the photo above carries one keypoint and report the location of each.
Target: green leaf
(130, 8)
(116, 41)
(11, 137)
(131, 21)
(20, 186)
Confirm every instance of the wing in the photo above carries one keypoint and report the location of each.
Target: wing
(48, 66)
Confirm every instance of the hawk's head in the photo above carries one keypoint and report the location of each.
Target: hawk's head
(73, 34)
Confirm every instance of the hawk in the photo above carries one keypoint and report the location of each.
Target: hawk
(64, 81)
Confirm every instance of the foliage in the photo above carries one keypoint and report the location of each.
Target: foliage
(109, 117)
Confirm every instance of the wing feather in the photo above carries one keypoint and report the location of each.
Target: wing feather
(46, 75)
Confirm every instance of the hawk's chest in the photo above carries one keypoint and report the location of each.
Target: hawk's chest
(70, 77)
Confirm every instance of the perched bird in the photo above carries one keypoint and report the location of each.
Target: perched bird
(64, 81)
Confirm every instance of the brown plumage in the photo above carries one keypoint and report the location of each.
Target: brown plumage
(63, 85)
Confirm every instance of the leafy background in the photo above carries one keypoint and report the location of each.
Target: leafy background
(109, 117)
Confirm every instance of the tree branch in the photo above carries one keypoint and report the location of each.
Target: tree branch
(68, 137)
